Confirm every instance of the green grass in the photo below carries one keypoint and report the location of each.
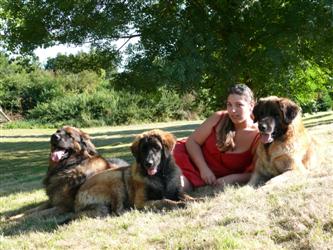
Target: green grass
(294, 215)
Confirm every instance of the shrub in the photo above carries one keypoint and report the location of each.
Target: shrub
(41, 88)
(167, 106)
(11, 89)
(78, 110)
(61, 109)
(324, 102)
(110, 107)
(82, 82)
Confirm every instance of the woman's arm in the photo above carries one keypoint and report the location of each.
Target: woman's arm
(193, 146)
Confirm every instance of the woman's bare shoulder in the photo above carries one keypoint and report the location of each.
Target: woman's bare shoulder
(220, 113)
(213, 118)
(254, 128)
(204, 130)
(218, 118)
(217, 115)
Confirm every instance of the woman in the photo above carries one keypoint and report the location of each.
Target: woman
(221, 150)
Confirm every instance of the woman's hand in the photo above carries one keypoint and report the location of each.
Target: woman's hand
(208, 176)
(223, 181)
(233, 179)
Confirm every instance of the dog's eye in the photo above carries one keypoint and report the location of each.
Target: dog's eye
(69, 135)
(144, 147)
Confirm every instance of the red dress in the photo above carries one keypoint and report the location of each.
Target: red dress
(220, 163)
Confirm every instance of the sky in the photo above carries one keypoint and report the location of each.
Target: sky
(51, 52)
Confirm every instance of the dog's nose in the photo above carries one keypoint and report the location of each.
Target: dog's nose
(55, 138)
(149, 164)
(262, 127)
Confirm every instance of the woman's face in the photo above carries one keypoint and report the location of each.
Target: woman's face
(239, 108)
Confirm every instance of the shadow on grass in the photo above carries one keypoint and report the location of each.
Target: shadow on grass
(24, 163)
(22, 146)
(172, 129)
(25, 136)
(19, 210)
(315, 117)
(318, 123)
(47, 225)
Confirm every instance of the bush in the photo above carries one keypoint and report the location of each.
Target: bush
(324, 102)
(42, 87)
(61, 109)
(110, 107)
(82, 82)
(11, 89)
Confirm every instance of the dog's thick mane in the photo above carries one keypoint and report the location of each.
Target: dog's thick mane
(295, 128)
(62, 166)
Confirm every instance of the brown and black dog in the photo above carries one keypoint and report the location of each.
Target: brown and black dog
(72, 160)
(284, 144)
(152, 182)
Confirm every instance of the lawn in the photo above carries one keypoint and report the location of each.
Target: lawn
(297, 214)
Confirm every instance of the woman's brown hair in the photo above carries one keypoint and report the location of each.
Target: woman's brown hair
(226, 133)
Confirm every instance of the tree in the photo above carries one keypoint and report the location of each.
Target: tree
(187, 44)
(97, 61)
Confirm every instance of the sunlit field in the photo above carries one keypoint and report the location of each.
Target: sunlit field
(296, 214)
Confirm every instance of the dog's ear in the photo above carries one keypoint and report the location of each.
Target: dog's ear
(82, 141)
(256, 111)
(168, 140)
(87, 144)
(289, 110)
(135, 146)
(75, 133)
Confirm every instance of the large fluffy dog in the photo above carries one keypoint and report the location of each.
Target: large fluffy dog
(73, 159)
(152, 182)
(285, 144)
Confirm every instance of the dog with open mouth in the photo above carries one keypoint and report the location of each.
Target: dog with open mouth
(73, 159)
(285, 145)
(152, 182)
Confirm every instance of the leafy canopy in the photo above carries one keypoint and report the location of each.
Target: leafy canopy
(186, 44)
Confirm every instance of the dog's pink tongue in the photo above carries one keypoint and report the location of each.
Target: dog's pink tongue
(152, 171)
(266, 138)
(57, 155)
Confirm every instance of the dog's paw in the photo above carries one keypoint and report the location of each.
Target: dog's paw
(164, 205)
(181, 204)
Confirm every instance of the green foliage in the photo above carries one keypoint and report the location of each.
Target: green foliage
(185, 44)
(21, 92)
(110, 107)
(99, 61)
(197, 49)
(11, 89)
(86, 99)
(324, 102)
(308, 85)
(40, 88)
(83, 109)
(84, 81)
